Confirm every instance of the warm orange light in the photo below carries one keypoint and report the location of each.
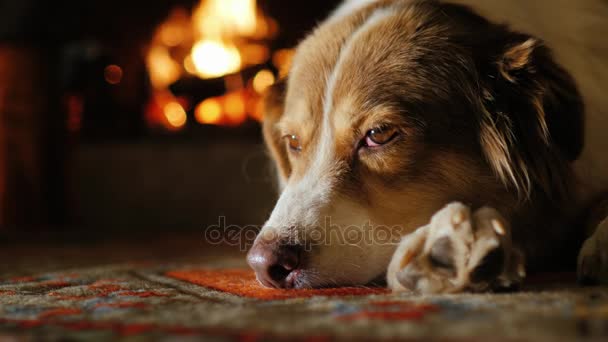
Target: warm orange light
(215, 59)
(256, 109)
(163, 69)
(189, 65)
(219, 39)
(255, 54)
(282, 60)
(219, 19)
(171, 36)
(176, 29)
(234, 107)
(208, 112)
(263, 80)
(113, 74)
(175, 114)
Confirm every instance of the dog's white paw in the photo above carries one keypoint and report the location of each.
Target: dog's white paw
(593, 257)
(458, 251)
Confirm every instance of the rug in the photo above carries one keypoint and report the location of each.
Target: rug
(242, 282)
(219, 301)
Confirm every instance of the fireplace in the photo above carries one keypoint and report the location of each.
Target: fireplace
(136, 114)
(210, 65)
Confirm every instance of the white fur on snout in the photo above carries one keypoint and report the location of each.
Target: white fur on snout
(343, 249)
(310, 206)
(306, 202)
(302, 200)
(351, 252)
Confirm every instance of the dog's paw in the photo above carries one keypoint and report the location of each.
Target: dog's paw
(593, 257)
(458, 251)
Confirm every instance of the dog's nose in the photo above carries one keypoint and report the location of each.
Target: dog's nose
(274, 262)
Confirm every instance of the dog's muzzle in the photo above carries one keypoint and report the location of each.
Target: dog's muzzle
(275, 263)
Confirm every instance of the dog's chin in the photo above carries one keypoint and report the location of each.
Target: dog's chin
(302, 279)
(299, 279)
(308, 279)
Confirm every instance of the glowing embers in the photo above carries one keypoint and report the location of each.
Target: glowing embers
(221, 39)
(231, 109)
(213, 59)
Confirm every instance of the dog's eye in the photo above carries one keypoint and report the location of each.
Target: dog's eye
(380, 136)
(293, 142)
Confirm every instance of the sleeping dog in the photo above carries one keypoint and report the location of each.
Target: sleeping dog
(424, 142)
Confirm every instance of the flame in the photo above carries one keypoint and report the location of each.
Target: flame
(263, 80)
(166, 111)
(176, 30)
(209, 112)
(224, 19)
(219, 40)
(282, 60)
(230, 109)
(163, 69)
(175, 114)
(215, 59)
(218, 24)
(235, 108)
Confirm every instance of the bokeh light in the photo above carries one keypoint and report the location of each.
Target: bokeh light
(234, 106)
(175, 114)
(208, 112)
(262, 80)
(113, 74)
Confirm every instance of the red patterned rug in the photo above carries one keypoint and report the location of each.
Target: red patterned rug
(242, 282)
(220, 302)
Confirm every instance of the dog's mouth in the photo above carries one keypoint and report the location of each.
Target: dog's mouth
(298, 279)
(289, 266)
(295, 279)
(301, 278)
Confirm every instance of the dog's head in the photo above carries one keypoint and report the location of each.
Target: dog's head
(389, 112)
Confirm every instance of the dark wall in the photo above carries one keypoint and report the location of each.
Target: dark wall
(124, 178)
(172, 186)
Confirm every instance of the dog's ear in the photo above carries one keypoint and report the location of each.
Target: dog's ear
(274, 104)
(533, 115)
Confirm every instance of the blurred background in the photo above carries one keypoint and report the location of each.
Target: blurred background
(139, 116)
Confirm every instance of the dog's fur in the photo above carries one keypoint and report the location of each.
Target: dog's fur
(485, 114)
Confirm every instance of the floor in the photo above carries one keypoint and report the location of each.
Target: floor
(179, 288)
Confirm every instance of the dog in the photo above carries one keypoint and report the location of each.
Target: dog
(445, 146)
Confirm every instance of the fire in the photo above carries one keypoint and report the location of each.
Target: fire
(166, 110)
(234, 106)
(263, 80)
(175, 114)
(282, 60)
(219, 40)
(214, 59)
(163, 69)
(225, 19)
(209, 112)
(219, 24)
(230, 109)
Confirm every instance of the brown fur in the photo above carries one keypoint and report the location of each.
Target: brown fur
(485, 117)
